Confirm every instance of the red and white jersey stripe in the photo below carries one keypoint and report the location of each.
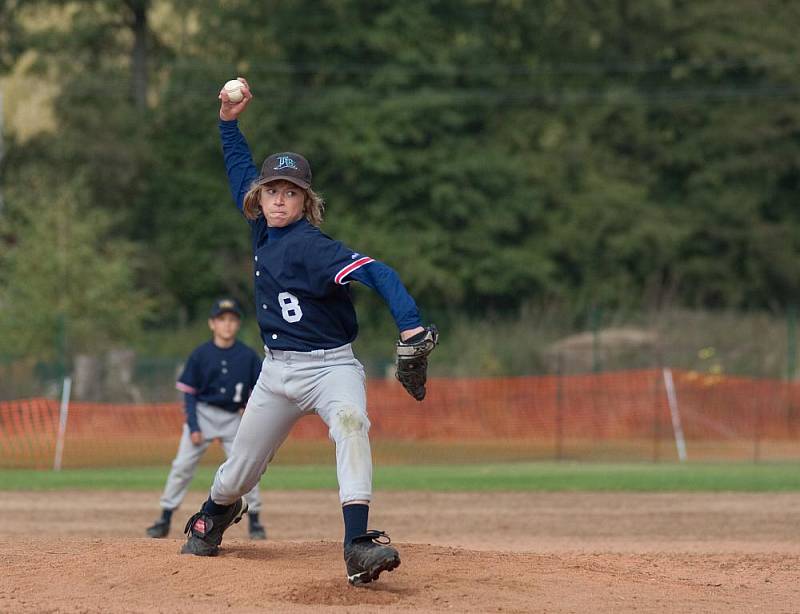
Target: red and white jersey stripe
(185, 388)
(345, 271)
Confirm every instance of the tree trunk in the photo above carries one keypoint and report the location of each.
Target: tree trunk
(139, 53)
(623, 12)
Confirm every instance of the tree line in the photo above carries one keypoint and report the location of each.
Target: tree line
(498, 154)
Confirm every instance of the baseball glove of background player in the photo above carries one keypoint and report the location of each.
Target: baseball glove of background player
(412, 361)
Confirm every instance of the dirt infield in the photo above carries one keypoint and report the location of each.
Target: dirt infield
(71, 552)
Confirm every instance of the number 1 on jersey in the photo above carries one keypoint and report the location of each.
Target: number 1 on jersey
(290, 307)
(237, 393)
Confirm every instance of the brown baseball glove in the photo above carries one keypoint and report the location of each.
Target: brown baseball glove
(412, 361)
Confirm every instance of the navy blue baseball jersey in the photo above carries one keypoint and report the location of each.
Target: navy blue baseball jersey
(301, 275)
(222, 377)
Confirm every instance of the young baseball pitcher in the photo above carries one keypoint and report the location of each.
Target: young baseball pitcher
(216, 382)
(307, 323)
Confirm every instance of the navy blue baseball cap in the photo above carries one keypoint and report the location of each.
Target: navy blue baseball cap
(225, 305)
(288, 166)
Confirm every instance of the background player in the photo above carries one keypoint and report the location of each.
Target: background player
(216, 382)
(307, 323)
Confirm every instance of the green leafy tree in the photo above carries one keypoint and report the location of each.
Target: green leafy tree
(12, 34)
(497, 153)
(67, 283)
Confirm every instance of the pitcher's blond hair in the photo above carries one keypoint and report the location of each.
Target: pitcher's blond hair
(313, 204)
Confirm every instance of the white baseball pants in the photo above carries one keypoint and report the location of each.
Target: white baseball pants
(215, 423)
(330, 383)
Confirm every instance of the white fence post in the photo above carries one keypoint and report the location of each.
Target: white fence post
(62, 423)
(672, 399)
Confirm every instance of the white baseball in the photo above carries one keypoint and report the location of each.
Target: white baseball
(234, 90)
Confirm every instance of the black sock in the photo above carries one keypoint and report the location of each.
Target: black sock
(166, 515)
(253, 517)
(214, 509)
(356, 517)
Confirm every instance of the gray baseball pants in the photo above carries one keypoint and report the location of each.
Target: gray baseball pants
(330, 383)
(215, 423)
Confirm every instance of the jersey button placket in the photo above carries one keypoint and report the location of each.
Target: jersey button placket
(224, 370)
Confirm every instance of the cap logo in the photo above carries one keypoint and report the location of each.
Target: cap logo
(285, 162)
(226, 305)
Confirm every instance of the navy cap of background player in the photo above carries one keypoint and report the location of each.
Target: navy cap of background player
(225, 305)
(288, 166)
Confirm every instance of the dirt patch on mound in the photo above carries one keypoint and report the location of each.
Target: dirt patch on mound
(461, 552)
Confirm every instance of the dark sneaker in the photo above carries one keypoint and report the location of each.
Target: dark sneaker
(205, 531)
(368, 555)
(257, 530)
(159, 529)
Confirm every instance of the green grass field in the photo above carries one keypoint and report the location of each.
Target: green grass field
(540, 476)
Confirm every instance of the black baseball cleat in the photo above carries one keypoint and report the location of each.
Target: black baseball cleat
(256, 530)
(159, 529)
(368, 555)
(205, 531)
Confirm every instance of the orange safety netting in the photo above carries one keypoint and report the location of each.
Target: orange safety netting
(564, 412)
